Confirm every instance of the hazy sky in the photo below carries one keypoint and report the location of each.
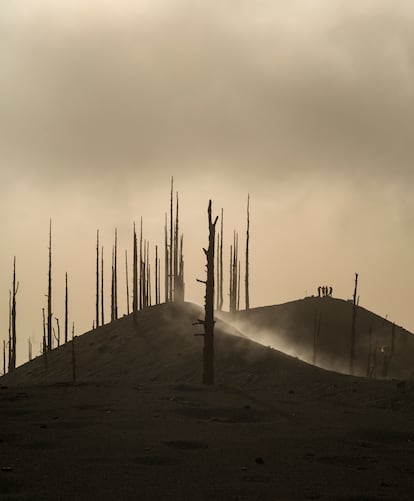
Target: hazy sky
(307, 105)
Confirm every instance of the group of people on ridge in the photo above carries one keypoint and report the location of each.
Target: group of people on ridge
(324, 291)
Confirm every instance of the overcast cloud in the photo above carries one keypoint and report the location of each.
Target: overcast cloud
(280, 88)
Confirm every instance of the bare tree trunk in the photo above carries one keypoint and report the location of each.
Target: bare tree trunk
(181, 271)
(4, 357)
(221, 262)
(97, 279)
(10, 343)
(112, 287)
(44, 339)
(238, 286)
(231, 281)
(141, 278)
(58, 331)
(66, 308)
(171, 294)
(156, 276)
(126, 278)
(102, 288)
(353, 329)
(217, 290)
(13, 316)
(73, 354)
(167, 260)
(135, 275)
(247, 295)
(116, 275)
(49, 293)
(208, 369)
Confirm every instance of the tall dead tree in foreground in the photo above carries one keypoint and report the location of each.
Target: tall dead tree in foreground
(49, 293)
(97, 281)
(208, 322)
(246, 280)
(353, 327)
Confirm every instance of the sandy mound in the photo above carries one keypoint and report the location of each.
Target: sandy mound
(159, 346)
(290, 328)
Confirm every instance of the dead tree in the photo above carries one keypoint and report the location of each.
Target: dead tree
(208, 322)
(126, 279)
(66, 308)
(246, 281)
(221, 262)
(58, 331)
(9, 344)
(135, 274)
(353, 327)
(175, 249)
(97, 280)
(4, 357)
(157, 296)
(102, 288)
(30, 350)
(44, 339)
(171, 243)
(166, 261)
(234, 274)
(114, 281)
(218, 273)
(13, 337)
(49, 293)
(116, 275)
(73, 354)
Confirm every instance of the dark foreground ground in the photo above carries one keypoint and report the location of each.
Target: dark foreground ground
(347, 439)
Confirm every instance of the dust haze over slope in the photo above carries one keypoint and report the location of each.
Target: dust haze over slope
(159, 346)
(290, 328)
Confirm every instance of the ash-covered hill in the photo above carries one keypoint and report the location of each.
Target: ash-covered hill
(290, 327)
(159, 345)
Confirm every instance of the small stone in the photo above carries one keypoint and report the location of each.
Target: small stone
(259, 460)
(6, 468)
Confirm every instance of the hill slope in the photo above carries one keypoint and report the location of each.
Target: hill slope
(159, 345)
(290, 328)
